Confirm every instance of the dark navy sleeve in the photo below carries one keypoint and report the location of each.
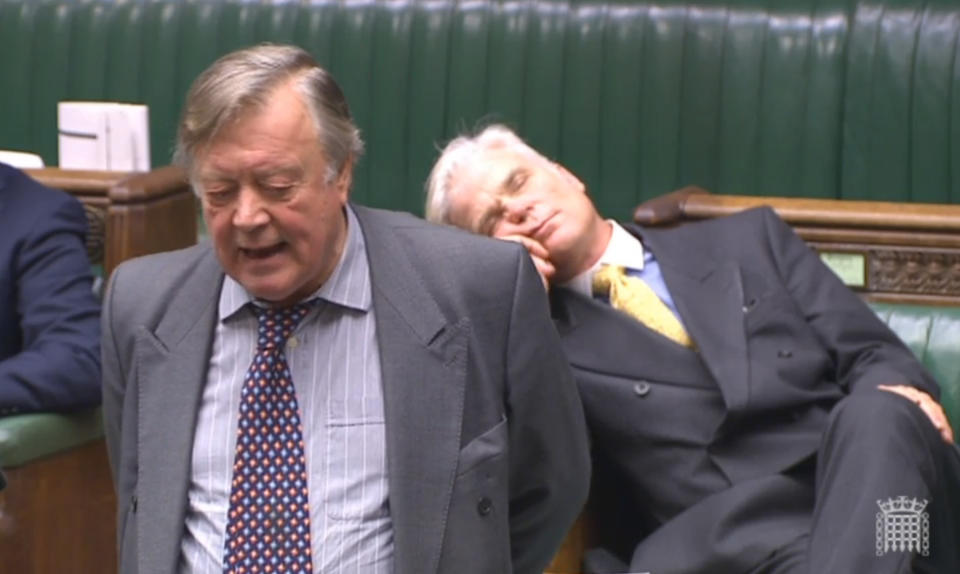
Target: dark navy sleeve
(57, 366)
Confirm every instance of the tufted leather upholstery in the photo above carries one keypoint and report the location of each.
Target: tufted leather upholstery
(822, 98)
(933, 334)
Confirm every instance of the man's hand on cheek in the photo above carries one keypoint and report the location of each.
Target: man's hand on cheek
(539, 254)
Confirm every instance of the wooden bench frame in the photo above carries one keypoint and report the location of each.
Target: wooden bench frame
(57, 512)
(910, 251)
(129, 214)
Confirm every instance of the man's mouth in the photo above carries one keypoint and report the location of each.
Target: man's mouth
(262, 252)
(542, 231)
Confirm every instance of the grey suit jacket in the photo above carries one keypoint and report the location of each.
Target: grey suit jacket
(486, 443)
(781, 337)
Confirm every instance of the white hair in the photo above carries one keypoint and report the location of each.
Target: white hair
(459, 152)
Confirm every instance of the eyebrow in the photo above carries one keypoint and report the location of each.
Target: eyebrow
(488, 217)
(215, 175)
(293, 171)
(507, 182)
(211, 180)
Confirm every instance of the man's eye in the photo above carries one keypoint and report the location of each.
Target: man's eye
(490, 220)
(517, 182)
(278, 190)
(218, 196)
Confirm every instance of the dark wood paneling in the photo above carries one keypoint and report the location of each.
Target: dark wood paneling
(57, 514)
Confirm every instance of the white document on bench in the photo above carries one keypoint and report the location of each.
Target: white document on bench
(104, 136)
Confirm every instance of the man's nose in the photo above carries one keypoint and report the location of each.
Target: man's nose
(250, 210)
(515, 210)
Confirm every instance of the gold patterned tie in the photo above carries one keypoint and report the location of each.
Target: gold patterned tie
(635, 298)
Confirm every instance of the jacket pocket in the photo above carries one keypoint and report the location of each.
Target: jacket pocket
(477, 540)
(490, 444)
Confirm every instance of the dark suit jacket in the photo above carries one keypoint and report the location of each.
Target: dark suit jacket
(780, 336)
(49, 317)
(486, 442)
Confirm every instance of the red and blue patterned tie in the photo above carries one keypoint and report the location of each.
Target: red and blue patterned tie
(268, 523)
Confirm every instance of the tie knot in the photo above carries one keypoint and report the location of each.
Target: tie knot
(605, 277)
(276, 324)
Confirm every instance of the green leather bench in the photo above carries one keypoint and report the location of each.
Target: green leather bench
(933, 334)
(815, 98)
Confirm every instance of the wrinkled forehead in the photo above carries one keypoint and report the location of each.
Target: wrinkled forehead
(486, 169)
(474, 181)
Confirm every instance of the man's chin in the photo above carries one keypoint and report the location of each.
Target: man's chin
(269, 292)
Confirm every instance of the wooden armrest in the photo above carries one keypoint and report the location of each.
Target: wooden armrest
(692, 203)
(130, 214)
(150, 186)
(77, 182)
(667, 209)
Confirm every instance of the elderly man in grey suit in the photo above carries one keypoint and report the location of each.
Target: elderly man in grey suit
(324, 387)
(750, 408)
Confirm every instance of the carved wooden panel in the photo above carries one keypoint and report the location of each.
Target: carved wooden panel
(96, 232)
(912, 271)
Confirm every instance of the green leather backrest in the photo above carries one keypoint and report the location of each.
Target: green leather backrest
(933, 334)
(823, 98)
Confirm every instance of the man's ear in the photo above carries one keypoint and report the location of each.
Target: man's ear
(345, 178)
(569, 177)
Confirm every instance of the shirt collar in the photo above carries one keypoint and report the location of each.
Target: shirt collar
(348, 285)
(623, 249)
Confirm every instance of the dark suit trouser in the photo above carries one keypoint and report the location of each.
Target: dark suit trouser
(877, 446)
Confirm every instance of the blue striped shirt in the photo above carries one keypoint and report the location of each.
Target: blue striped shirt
(335, 362)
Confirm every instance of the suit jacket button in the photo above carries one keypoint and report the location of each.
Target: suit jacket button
(484, 506)
(784, 353)
(641, 389)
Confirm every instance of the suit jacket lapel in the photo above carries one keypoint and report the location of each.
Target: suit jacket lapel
(423, 364)
(172, 363)
(708, 293)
